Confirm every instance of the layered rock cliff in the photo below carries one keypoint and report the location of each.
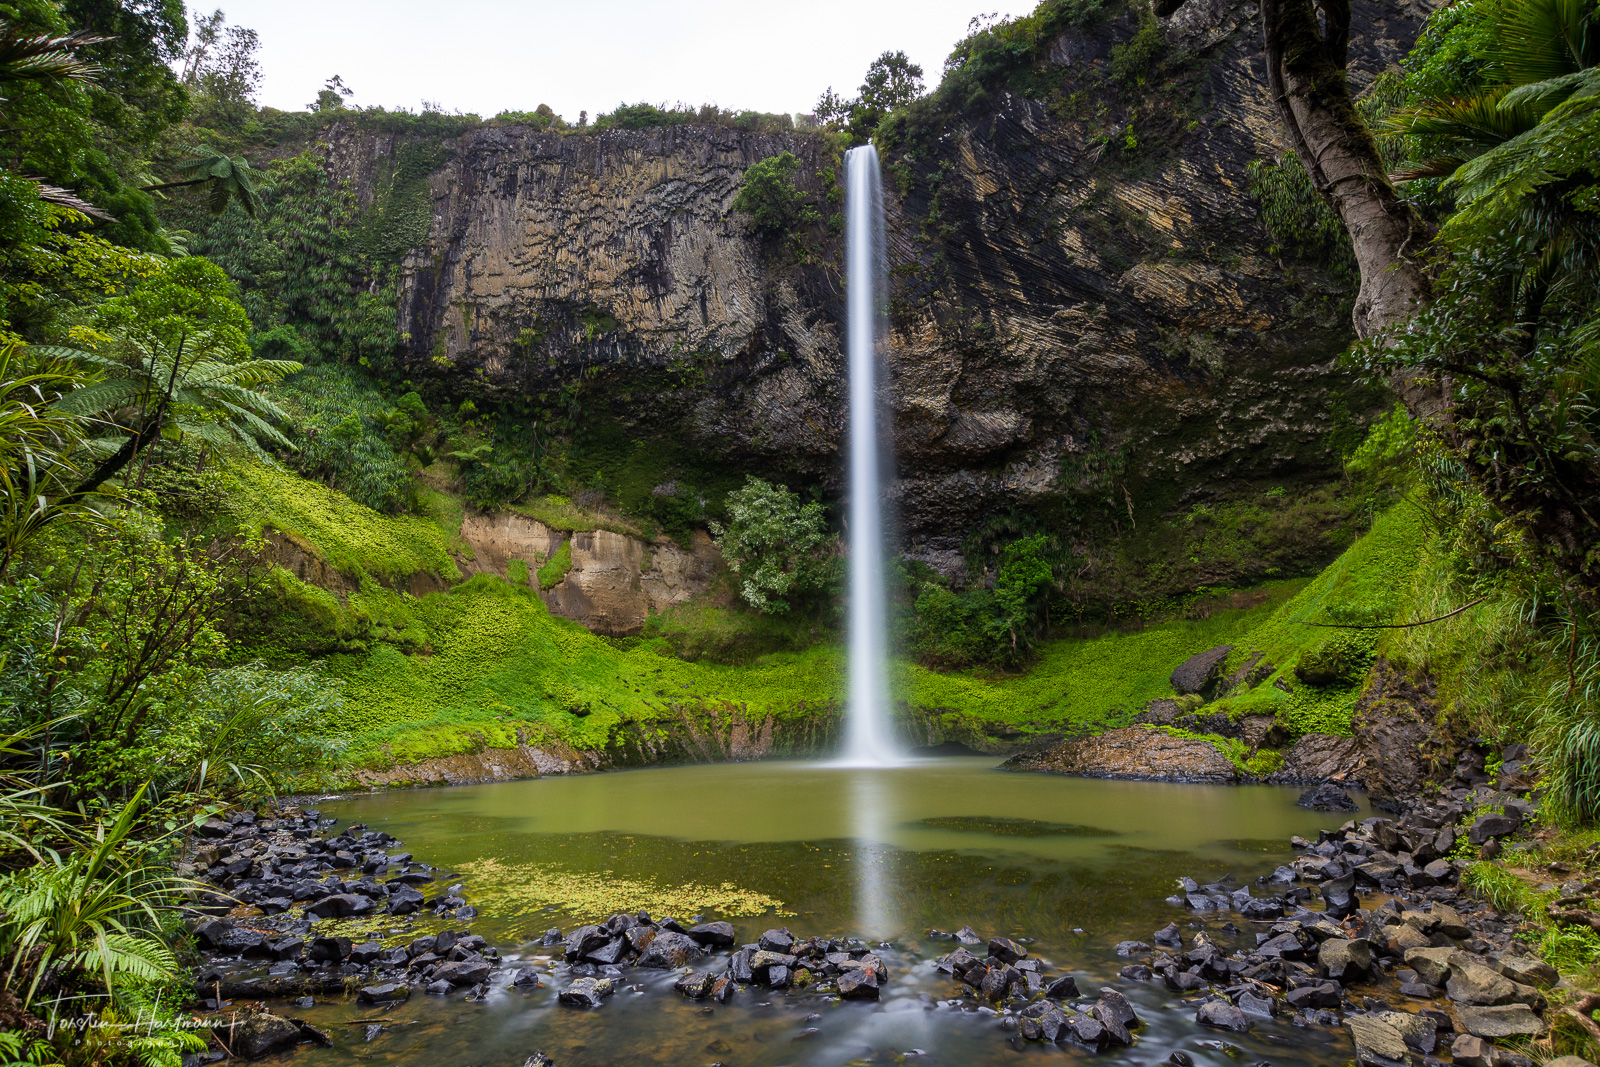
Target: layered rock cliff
(1072, 318)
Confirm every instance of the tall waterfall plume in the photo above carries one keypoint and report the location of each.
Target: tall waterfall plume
(869, 740)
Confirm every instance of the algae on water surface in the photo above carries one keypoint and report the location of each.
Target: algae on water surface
(511, 889)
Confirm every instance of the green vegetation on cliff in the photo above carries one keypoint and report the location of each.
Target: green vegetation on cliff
(484, 664)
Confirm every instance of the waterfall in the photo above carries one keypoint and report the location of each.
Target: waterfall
(869, 734)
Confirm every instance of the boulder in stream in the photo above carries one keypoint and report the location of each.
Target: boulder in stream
(696, 985)
(1221, 1015)
(261, 1035)
(859, 983)
(586, 992)
(1327, 797)
(714, 935)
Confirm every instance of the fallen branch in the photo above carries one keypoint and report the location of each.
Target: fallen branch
(1590, 919)
(1392, 625)
(1580, 1011)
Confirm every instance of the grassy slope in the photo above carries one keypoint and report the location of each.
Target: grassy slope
(498, 663)
(350, 537)
(485, 662)
(1369, 583)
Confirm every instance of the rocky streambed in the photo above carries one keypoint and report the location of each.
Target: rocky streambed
(1363, 939)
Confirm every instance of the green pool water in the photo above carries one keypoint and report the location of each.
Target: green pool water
(1075, 864)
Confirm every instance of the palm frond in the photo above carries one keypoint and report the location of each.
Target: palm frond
(40, 57)
(1544, 95)
(1539, 40)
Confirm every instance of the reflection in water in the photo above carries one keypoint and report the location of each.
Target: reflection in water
(871, 797)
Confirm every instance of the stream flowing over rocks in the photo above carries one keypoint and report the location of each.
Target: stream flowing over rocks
(1365, 934)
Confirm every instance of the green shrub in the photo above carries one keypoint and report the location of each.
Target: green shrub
(777, 546)
(993, 627)
(770, 199)
(1137, 60)
(643, 116)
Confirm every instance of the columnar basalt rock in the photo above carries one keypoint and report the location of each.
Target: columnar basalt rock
(1088, 308)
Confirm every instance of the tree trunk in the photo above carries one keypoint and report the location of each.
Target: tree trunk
(1306, 59)
(1306, 46)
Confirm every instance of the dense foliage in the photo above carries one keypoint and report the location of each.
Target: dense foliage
(892, 82)
(776, 546)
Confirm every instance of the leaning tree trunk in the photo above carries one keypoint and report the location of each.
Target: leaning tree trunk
(1306, 57)
(1306, 72)
(1306, 46)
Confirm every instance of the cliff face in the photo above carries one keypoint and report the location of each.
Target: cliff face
(1071, 317)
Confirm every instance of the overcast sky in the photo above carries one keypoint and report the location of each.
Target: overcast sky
(492, 55)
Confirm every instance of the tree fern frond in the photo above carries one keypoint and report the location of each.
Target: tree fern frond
(99, 397)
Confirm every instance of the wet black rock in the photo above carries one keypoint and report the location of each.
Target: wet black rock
(463, 972)
(1339, 896)
(586, 939)
(551, 936)
(404, 901)
(387, 993)
(1136, 972)
(241, 941)
(1132, 948)
(1345, 961)
(1006, 950)
(330, 949)
(967, 936)
(263, 1034)
(858, 983)
(525, 976)
(714, 935)
(1255, 1004)
(1062, 988)
(1113, 1005)
(340, 905)
(1223, 1016)
(1168, 935)
(610, 952)
(586, 992)
(1087, 1030)
(1315, 995)
(668, 950)
(780, 940)
(696, 985)
(1492, 826)
(539, 1059)
(762, 959)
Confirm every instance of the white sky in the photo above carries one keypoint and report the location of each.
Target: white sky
(491, 55)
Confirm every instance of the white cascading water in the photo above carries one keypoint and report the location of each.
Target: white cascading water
(869, 740)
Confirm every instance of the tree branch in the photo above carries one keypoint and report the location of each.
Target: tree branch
(1391, 625)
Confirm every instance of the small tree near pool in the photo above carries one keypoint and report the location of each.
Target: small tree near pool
(777, 546)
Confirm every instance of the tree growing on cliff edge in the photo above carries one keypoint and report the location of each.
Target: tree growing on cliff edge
(1480, 330)
(892, 82)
